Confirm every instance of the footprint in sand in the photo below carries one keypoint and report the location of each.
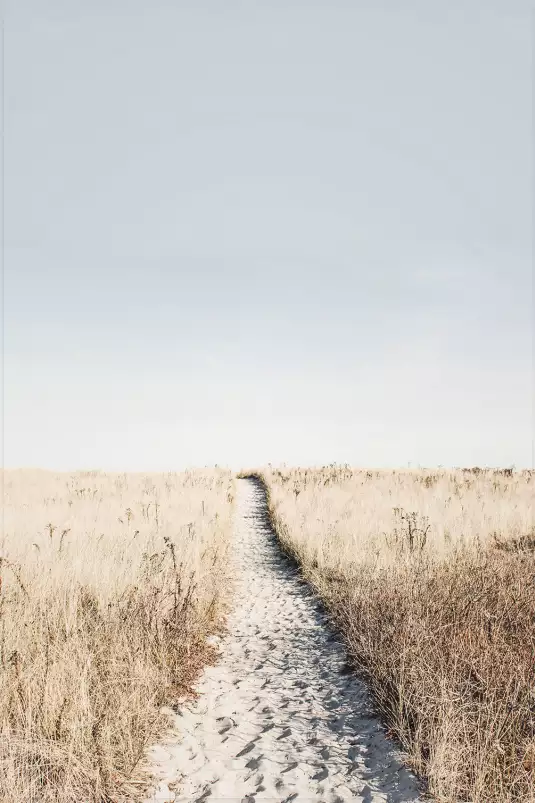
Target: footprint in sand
(296, 711)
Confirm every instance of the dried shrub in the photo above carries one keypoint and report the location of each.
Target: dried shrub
(437, 609)
(100, 628)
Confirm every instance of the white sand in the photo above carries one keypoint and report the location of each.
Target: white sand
(279, 718)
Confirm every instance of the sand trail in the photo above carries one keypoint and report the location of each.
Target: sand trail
(279, 718)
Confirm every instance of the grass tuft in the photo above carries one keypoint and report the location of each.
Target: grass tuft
(430, 577)
(109, 587)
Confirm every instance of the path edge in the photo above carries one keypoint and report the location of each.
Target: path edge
(281, 533)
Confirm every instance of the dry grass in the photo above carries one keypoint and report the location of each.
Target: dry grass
(109, 586)
(431, 578)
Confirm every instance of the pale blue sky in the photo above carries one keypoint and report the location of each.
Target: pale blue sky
(241, 232)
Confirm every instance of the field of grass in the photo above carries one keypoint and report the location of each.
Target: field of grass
(430, 576)
(109, 587)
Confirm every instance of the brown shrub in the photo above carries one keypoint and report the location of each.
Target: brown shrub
(437, 609)
(101, 622)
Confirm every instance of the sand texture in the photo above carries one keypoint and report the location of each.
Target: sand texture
(279, 718)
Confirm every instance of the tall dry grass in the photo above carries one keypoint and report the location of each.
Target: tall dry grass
(109, 586)
(430, 576)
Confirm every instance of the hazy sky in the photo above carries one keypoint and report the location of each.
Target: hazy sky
(241, 232)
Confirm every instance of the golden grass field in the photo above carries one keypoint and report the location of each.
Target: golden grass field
(430, 576)
(109, 587)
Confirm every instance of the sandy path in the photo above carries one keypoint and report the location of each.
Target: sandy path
(279, 718)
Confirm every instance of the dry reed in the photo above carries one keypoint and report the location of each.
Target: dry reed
(430, 576)
(109, 587)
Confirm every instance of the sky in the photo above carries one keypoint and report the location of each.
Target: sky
(275, 231)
